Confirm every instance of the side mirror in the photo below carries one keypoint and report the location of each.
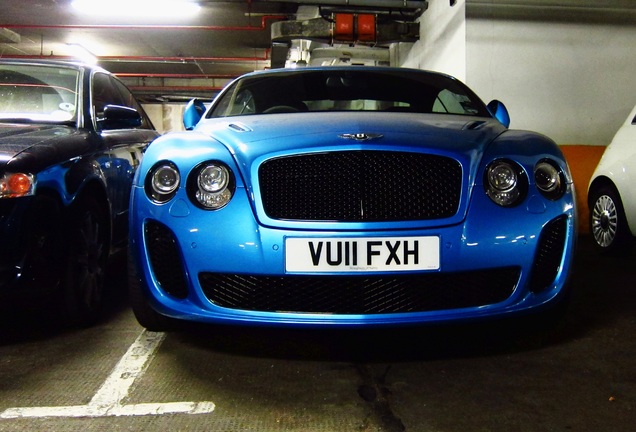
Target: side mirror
(119, 117)
(194, 110)
(500, 112)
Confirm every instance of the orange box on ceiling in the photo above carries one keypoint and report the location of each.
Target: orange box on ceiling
(366, 27)
(344, 27)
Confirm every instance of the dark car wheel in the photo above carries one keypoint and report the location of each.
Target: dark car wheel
(86, 263)
(145, 314)
(41, 248)
(608, 223)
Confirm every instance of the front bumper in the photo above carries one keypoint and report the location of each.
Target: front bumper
(223, 267)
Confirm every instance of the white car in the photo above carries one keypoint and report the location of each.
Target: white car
(611, 193)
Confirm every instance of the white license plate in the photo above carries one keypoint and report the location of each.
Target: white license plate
(361, 254)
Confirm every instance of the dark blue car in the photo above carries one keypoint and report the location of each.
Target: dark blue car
(349, 196)
(71, 138)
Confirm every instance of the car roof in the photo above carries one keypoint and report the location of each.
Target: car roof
(58, 63)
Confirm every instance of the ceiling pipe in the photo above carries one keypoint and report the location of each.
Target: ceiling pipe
(174, 88)
(169, 75)
(184, 59)
(263, 26)
(391, 4)
(160, 59)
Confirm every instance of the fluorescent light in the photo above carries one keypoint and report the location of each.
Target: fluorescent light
(137, 8)
(82, 53)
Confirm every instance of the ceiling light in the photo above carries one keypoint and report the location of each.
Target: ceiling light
(137, 8)
(82, 53)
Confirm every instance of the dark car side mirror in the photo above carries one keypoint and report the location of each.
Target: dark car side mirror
(194, 110)
(500, 112)
(119, 117)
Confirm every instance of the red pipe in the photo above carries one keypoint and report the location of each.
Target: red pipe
(263, 26)
(177, 75)
(173, 88)
(147, 58)
(184, 58)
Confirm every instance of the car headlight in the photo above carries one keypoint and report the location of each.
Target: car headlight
(14, 185)
(506, 182)
(211, 185)
(162, 181)
(549, 179)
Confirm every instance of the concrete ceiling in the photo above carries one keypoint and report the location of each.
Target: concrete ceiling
(174, 59)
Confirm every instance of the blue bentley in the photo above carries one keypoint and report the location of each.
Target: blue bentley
(349, 196)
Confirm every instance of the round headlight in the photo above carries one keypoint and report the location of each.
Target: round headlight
(505, 182)
(549, 179)
(163, 181)
(502, 177)
(213, 178)
(211, 185)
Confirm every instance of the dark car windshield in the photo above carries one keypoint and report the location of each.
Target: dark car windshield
(38, 93)
(347, 90)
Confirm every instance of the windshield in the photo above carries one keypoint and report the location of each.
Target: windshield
(347, 90)
(38, 93)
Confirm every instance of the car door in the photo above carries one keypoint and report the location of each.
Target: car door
(125, 144)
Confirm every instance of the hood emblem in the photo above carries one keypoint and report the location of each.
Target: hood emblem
(361, 136)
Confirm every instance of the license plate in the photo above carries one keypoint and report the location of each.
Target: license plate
(361, 254)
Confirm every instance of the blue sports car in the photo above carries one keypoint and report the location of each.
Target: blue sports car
(348, 196)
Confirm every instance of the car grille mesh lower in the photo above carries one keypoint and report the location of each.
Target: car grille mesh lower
(547, 261)
(165, 259)
(352, 186)
(360, 294)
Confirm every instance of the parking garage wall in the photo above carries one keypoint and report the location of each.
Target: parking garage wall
(573, 82)
(442, 43)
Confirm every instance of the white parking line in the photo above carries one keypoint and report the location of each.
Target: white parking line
(108, 399)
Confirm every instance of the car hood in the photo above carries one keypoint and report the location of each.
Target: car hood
(251, 138)
(16, 139)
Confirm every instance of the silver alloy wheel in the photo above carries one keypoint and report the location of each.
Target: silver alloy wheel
(604, 221)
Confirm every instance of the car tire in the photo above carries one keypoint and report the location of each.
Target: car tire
(608, 224)
(87, 257)
(145, 314)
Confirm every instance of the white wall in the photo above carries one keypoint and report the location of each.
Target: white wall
(167, 117)
(573, 82)
(442, 44)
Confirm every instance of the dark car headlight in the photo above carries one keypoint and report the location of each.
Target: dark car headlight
(506, 182)
(211, 185)
(13, 185)
(549, 178)
(162, 181)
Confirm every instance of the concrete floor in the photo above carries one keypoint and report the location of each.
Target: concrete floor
(495, 377)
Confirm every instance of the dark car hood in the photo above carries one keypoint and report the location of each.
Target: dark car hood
(281, 134)
(16, 138)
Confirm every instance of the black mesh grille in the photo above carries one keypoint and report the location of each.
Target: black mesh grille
(360, 294)
(547, 261)
(165, 259)
(360, 186)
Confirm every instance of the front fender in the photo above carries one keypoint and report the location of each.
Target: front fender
(67, 180)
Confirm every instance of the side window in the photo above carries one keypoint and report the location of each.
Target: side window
(104, 93)
(131, 102)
